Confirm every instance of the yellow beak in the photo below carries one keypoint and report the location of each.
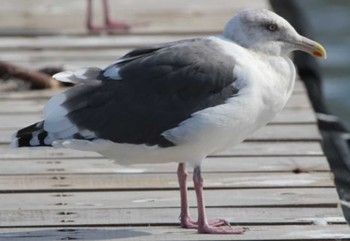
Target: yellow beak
(312, 47)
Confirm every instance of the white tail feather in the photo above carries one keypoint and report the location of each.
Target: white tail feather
(87, 75)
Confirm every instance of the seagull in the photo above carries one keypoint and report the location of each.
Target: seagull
(179, 101)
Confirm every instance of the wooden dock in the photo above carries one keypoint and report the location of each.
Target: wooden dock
(277, 183)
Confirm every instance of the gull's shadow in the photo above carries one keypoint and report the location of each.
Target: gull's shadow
(71, 234)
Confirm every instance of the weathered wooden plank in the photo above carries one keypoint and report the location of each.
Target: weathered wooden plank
(289, 132)
(286, 148)
(298, 100)
(301, 116)
(18, 120)
(101, 165)
(66, 55)
(296, 132)
(165, 216)
(21, 106)
(272, 198)
(131, 181)
(30, 95)
(167, 233)
(84, 42)
(270, 148)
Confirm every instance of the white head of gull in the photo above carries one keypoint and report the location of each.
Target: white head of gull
(178, 101)
(263, 31)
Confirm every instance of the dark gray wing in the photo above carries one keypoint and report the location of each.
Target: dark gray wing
(153, 90)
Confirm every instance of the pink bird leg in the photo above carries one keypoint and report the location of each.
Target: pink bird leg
(109, 24)
(203, 225)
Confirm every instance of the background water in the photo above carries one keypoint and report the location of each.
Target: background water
(330, 24)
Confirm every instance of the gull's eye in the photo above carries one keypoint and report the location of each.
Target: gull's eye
(271, 27)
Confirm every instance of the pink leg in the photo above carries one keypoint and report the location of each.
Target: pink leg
(89, 24)
(203, 225)
(186, 221)
(109, 24)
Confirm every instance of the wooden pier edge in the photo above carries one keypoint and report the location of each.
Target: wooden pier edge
(334, 134)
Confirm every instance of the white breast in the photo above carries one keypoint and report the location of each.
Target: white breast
(263, 93)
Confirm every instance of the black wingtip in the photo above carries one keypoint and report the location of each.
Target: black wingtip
(30, 136)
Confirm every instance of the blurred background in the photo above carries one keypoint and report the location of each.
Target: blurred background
(329, 21)
(41, 33)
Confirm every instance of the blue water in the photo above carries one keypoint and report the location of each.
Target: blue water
(330, 25)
